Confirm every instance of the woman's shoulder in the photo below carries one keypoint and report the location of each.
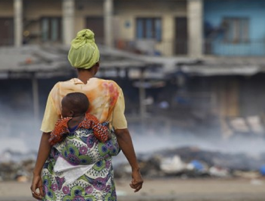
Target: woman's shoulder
(64, 83)
(91, 81)
(93, 84)
(58, 86)
(105, 82)
(69, 81)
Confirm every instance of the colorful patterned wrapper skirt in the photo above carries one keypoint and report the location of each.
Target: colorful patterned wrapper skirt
(82, 148)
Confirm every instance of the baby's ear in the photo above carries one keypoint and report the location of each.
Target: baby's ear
(71, 112)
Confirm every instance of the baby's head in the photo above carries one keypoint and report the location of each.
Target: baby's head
(74, 104)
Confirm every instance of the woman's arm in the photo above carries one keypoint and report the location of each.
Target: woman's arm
(44, 151)
(124, 139)
(126, 145)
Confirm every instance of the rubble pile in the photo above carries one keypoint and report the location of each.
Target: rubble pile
(16, 166)
(192, 162)
(21, 171)
(184, 162)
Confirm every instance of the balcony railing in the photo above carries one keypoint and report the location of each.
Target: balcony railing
(176, 48)
(222, 48)
(181, 47)
(153, 47)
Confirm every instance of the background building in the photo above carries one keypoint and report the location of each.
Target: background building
(154, 27)
(234, 28)
(192, 73)
(170, 27)
(195, 62)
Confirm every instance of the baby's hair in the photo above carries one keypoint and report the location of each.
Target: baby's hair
(77, 102)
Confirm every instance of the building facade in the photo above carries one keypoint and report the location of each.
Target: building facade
(234, 28)
(191, 28)
(152, 27)
(219, 32)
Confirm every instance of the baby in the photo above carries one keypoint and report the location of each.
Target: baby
(75, 116)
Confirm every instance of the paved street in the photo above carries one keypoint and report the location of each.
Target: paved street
(166, 190)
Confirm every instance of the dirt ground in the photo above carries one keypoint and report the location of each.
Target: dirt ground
(166, 190)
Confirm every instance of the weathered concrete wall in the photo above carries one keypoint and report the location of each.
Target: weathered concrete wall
(128, 11)
(35, 9)
(6, 8)
(125, 13)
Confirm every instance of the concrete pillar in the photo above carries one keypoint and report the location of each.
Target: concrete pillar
(142, 94)
(195, 28)
(18, 22)
(68, 21)
(35, 92)
(108, 22)
(168, 35)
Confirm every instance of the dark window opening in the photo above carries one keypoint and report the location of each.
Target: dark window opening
(51, 29)
(236, 30)
(148, 28)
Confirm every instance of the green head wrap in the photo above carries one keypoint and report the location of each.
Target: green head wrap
(84, 52)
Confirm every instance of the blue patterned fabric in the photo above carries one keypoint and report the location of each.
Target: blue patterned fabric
(82, 148)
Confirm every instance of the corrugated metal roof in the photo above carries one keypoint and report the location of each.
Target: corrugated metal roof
(220, 70)
(52, 61)
(43, 60)
(30, 59)
(220, 66)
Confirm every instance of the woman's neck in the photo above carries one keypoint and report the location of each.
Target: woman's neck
(84, 75)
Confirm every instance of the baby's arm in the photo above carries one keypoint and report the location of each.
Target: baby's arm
(60, 129)
(101, 132)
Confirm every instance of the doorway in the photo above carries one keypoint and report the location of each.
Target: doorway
(96, 24)
(7, 31)
(181, 36)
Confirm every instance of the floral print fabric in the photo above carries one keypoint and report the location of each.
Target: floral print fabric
(82, 148)
(61, 129)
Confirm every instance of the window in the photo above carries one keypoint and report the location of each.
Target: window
(96, 24)
(148, 28)
(236, 30)
(7, 31)
(51, 29)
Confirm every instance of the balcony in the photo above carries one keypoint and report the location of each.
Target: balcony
(180, 48)
(222, 48)
(153, 47)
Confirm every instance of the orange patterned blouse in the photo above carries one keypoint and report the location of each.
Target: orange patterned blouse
(105, 97)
